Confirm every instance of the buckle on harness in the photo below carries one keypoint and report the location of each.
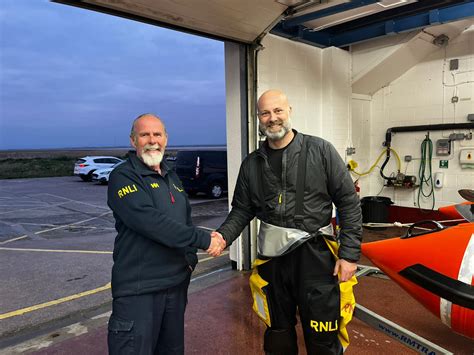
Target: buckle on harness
(299, 219)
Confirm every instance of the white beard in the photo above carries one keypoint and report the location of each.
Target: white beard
(276, 136)
(152, 159)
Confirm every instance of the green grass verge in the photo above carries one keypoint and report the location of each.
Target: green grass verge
(36, 167)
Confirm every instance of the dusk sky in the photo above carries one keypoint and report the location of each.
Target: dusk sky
(71, 77)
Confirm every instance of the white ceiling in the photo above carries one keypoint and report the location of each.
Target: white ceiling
(241, 20)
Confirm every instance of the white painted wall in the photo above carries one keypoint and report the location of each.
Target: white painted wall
(317, 82)
(418, 97)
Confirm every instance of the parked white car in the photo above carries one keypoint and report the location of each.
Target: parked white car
(85, 167)
(102, 175)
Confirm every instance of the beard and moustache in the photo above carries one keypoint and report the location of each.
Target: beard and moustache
(153, 159)
(275, 136)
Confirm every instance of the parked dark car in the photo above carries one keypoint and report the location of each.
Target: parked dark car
(203, 171)
(171, 161)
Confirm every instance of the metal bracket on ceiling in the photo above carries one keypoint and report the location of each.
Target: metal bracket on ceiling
(441, 41)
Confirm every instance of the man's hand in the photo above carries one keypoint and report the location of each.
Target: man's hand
(217, 245)
(345, 269)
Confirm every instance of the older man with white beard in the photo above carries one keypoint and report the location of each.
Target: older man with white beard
(155, 248)
(290, 184)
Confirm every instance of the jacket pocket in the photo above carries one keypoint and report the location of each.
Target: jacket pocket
(121, 338)
(191, 257)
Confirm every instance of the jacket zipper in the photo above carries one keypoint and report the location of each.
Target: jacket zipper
(168, 183)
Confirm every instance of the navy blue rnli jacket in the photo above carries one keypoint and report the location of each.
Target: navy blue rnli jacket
(156, 241)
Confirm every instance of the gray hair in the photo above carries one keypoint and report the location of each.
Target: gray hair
(132, 130)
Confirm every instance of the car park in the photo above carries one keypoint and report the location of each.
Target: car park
(102, 175)
(86, 166)
(203, 171)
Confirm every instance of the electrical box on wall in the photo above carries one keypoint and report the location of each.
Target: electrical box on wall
(443, 147)
(454, 64)
(466, 158)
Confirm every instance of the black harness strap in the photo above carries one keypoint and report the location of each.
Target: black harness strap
(261, 190)
(300, 184)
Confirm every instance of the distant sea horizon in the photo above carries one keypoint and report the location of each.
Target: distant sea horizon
(173, 147)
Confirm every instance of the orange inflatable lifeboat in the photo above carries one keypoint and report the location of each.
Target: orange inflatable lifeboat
(436, 267)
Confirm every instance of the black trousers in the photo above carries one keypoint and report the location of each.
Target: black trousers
(303, 280)
(150, 323)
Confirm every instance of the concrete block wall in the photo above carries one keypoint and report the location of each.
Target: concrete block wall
(361, 128)
(317, 82)
(421, 96)
(294, 68)
(336, 93)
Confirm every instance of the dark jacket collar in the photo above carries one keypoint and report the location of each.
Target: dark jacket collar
(295, 144)
(144, 169)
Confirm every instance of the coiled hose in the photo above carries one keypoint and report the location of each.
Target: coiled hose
(425, 172)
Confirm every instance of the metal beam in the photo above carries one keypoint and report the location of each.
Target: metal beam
(298, 20)
(410, 23)
(302, 34)
(397, 25)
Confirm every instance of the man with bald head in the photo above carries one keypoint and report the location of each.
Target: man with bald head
(155, 248)
(290, 185)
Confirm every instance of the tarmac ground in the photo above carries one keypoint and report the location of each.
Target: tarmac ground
(56, 243)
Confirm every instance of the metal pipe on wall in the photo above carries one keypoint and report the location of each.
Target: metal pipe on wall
(423, 128)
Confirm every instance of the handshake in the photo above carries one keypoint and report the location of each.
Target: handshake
(217, 245)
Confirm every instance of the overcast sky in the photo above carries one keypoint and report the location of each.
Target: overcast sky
(71, 77)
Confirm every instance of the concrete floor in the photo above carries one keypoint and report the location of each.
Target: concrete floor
(219, 320)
